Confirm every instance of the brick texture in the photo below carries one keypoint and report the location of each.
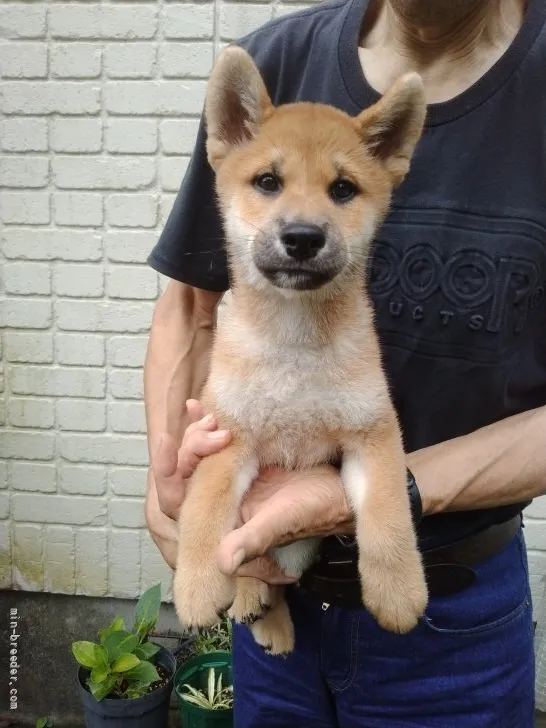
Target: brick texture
(99, 114)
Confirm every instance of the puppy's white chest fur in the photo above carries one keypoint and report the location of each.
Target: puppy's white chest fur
(291, 399)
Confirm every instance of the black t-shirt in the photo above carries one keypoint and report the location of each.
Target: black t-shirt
(458, 270)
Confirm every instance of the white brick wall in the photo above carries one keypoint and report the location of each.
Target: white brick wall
(99, 114)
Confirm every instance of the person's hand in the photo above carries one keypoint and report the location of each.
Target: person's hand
(281, 507)
(169, 471)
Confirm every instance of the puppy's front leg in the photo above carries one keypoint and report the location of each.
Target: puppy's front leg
(392, 576)
(201, 592)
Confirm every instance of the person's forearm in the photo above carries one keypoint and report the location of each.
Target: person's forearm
(177, 357)
(497, 465)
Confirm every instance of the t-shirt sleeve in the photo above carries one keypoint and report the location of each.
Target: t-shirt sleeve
(190, 248)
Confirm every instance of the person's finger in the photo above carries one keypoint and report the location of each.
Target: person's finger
(198, 445)
(163, 530)
(252, 539)
(207, 423)
(165, 458)
(266, 569)
(195, 410)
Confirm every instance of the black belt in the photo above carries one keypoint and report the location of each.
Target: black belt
(448, 569)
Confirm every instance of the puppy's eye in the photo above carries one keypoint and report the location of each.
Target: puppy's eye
(268, 183)
(342, 190)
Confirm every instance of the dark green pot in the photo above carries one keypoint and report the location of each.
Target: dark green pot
(194, 672)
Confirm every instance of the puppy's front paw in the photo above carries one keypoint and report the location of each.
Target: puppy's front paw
(201, 595)
(396, 595)
(252, 601)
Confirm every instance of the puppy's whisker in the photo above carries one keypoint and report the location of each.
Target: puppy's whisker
(203, 252)
(248, 222)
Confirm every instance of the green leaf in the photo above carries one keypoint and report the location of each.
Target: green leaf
(120, 642)
(89, 654)
(99, 674)
(136, 690)
(198, 700)
(103, 689)
(117, 625)
(214, 639)
(44, 723)
(211, 685)
(218, 698)
(146, 650)
(196, 697)
(144, 672)
(147, 610)
(125, 662)
(103, 655)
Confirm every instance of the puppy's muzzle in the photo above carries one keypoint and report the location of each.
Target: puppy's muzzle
(299, 255)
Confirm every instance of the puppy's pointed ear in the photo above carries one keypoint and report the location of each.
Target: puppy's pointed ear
(237, 103)
(392, 127)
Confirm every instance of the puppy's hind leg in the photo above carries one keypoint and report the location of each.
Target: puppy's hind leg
(252, 600)
(275, 630)
(255, 598)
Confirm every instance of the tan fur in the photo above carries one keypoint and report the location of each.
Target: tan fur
(252, 600)
(297, 375)
(275, 631)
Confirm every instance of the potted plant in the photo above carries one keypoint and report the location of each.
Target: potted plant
(204, 683)
(125, 679)
(214, 639)
(204, 688)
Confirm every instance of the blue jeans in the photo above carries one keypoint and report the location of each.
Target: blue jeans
(468, 664)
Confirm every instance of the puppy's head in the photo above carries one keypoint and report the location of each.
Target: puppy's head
(303, 187)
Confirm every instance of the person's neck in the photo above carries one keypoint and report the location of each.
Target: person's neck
(450, 55)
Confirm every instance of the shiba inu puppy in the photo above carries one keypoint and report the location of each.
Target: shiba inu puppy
(296, 372)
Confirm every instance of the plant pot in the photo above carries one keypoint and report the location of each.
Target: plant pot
(185, 650)
(149, 711)
(194, 672)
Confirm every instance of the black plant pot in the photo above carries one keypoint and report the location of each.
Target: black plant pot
(149, 711)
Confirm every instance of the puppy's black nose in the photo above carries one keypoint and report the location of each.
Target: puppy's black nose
(302, 241)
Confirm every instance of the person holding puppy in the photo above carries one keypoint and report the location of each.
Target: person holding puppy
(457, 281)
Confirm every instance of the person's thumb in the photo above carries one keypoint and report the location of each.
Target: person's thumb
(251, 540)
